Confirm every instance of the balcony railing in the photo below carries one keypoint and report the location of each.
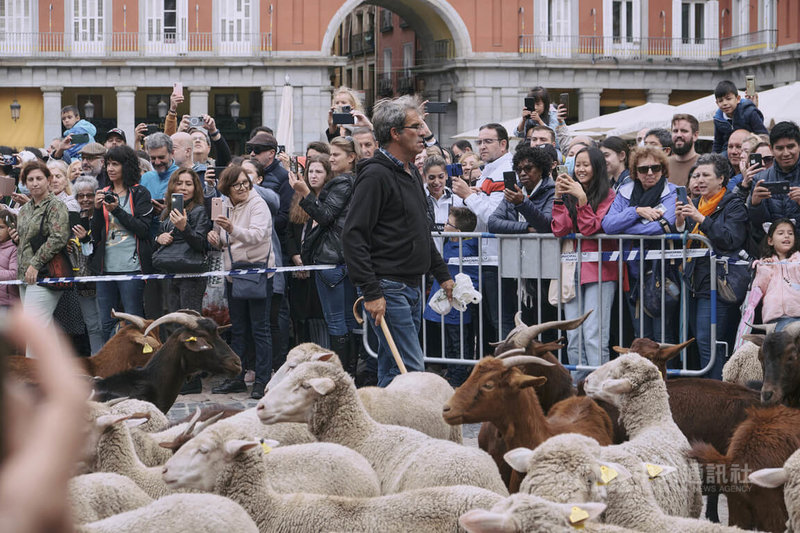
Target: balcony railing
(749, 43)
(599, 47)
(132, 44)
(361, 43)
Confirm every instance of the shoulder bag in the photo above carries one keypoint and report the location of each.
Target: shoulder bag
(248, 286)
(58, 267)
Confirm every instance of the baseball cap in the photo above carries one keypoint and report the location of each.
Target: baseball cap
(116, 131)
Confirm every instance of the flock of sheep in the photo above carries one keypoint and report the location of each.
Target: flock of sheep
(317, 454)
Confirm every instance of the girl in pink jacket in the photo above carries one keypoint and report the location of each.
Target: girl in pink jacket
(9, 294)
(579, 207)
(778, 275)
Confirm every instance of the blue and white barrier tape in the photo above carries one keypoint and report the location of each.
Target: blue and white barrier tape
(126, 277)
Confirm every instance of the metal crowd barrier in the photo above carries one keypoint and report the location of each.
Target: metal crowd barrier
(537, 258)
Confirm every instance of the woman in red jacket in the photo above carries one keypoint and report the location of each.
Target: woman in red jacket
(579, 206)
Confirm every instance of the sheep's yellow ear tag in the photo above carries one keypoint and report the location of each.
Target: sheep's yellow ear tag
(577, 517)
(653, 470)
(147, 348)
(191, 339)
(607, 474)
(266, 447)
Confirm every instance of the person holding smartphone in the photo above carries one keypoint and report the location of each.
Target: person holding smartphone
(121, 236)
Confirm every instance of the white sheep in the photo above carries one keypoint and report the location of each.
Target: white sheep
(523, 513)
(235, 469)
(178, 513)
(102, 494)
(414, 399)
(324, 395)
(788, 476)
(156, 420)
(574, 468)
(248, 425)
(634, 385)
(317, 467)
(743, 366)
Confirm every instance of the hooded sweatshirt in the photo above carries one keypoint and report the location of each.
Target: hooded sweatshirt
(82, 126)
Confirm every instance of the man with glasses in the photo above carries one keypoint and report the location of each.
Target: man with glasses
(387, 241)
(93, 162)
(685, 130)
(263, 147)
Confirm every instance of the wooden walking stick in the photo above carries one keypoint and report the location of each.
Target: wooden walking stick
(386, 333)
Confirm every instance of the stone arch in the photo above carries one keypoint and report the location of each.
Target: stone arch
(431, 19)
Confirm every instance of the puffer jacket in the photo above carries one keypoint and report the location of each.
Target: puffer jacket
(536, 210)
(746, 116)
(780, 285)
(329, 211)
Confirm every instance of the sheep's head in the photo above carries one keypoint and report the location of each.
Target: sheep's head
(779, 354)
(659, 354)
(620, 377)
(201, 462)
(101, 420)
(566, 468)
(492, 386)
(293, 399)
(523, 513)
(303, 353)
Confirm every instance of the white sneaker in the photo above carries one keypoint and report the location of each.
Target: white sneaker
(250, 376)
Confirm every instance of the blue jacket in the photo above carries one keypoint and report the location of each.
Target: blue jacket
(469, 248)
(778, 206)
(156, 184)
(82, 126)
(746, 116)
(622, 218)
(536, 209)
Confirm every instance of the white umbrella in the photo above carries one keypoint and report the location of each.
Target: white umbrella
(510, 125)
(285, 133)
(780, 104)
(703, 110)
(626, 122)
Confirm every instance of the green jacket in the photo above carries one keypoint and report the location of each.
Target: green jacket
(55, 227)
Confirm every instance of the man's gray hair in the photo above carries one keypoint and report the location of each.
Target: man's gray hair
(85, 182)
(158, 140)
(391, 113)
(360, 130)
(203, 131)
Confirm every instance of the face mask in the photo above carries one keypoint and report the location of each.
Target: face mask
(570, 164)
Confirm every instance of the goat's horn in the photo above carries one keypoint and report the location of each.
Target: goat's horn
(524, 360)
(531, 332)
(189, 312)
(192, 421)
(115, 401)
(133, 319)
(178, 317)
(509, 353)
(766, 328)
(203, 425)
(518, 319)
(672, 349)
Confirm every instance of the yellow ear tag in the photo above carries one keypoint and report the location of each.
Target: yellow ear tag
(147, 348)
(607, 474)
(190, 339)
(653, 470)
(265, 446)
(577, 517)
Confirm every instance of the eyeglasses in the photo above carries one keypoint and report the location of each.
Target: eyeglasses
(527, 169)
(257, 148)
(240, 185)
(417, 127)
(481, 142)
(449, 224)
(84, 195)
(645, 169)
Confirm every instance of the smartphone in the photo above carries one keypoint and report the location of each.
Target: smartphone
(530, 104)
(756, 159)
(562, 169)
(152, 128)
(177, 201)
(195, 122)
(563, 99)
(293, 166)
(216, 208)
(455, 169)
(750, 85)
(80, 138)
(510, 180)
(177, 88)
(218, 172)
(281, 148)
(681, 192)
(777, 187)
(10, 160)
(436, 107)
(7, 185)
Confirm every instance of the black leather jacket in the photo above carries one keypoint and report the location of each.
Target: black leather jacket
(323, 243)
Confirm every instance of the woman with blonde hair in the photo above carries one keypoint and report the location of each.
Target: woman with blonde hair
(60, 184)
(345, 96)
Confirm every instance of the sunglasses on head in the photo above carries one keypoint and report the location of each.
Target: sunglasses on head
(257, 148)
(644, 169)
(768, 159)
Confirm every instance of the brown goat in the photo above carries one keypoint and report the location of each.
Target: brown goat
(499, 392)
(765, 439)
(657, 353)
(128, 348)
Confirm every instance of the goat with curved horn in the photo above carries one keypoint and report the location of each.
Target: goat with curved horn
(509, 353)
(531, 332)
(518, 319)
(517, 360)
(184, 319)
(133, 319)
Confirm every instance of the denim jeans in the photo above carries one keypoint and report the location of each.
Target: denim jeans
(490, 308)
(39, 302)
(109, 295)
(250, 321)
(652, 326)
(700, 325)
(336, 296)
(403, 316)
(91, 317)
(594, 349)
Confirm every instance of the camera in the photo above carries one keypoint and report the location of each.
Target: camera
(343, 116)
(152, 128)
(196, 122)
(10, 160)
(110, 197)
